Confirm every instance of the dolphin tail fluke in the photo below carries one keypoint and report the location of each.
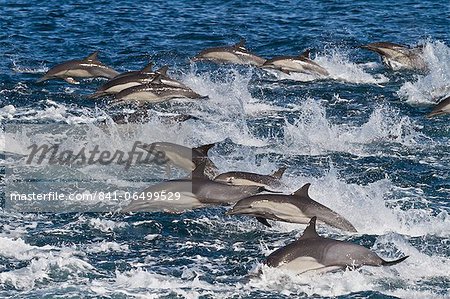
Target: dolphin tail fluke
(279, 173)
(205, 148)
(263, 221)
(391, 263)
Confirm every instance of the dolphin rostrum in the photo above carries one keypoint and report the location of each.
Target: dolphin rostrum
(89, 67)
(135, 78)
(237, 54)
(297, 64)
(398, 57)
(297, 207)
(154, 92)
(188, 194)
(440, 109)
(249, 178)
(312, 252)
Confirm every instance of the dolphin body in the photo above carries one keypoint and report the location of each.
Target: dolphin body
(154, 92)
(185, 157)
(89, 67)
(312, 252)
(135, 78)
(440, 109)
(295, 64)
(399, 57)
(249, 178)
(297, 207)
(237, 54)
(188, 194)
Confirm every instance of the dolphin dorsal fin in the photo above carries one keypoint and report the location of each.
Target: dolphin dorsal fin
(163, 70)
(204, 148)
(279, 173)
(240, 44)
(303, 191)
(199, 171)
(148, 68)
(310, 231)
(92, 57)
(157, 79)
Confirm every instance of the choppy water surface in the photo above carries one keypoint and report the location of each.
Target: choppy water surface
(360, 138)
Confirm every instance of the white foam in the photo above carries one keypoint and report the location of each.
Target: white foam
(431, 87)
(314, 134)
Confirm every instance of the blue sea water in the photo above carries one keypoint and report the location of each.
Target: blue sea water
(360, 138)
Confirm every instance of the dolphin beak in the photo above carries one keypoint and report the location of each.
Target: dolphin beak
(230, 212)
(42, 79)
(195, 59)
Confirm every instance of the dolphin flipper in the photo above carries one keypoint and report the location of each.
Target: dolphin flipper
(263, 221)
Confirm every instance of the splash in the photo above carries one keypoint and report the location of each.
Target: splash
(314, 134)
(430, 88)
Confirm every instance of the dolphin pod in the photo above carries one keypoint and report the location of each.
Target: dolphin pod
(297, 207)
(197, 192)
(312, 252)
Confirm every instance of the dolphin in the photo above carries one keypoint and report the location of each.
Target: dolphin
(398, 57)
(154, 92)
(237, 54)
(297, 64)
(89, 67)
(312, 252)
(188, 194)
(440, 109)
(249, 178)
(297, 207)
(135, 78)
(184, 157)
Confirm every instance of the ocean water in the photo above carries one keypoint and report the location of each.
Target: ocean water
(359, 137)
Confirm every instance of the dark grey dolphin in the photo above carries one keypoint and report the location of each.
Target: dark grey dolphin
(398, 57)
(188, 194)
(250, 178)
(90, 67)
(135, 78)
(440, 109)
(237, 54)
(297, 207)
(185, 157)
(297, 64)
(313, 252)
(154, 92)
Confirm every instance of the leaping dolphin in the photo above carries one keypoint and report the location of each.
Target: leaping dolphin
(440, 109)
(188, 194)
(398, 57)
(249, 178)
(154, 92)
(312, 252)
(135, 78)
(89, 67)
(297, 64)
(297, 207)
(237, 54)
